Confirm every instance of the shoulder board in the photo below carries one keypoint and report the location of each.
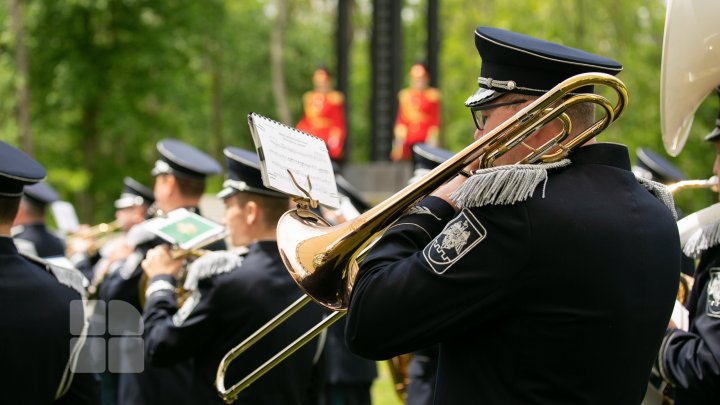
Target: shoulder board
(503, 185)
(25, 246)
(432, 94)
(210, 265)
(17, 230)
(66, 276)
(335, 97)
(703, 239)
(138, 235)
(661, 192)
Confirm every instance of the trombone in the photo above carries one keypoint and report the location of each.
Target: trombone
(322, 259)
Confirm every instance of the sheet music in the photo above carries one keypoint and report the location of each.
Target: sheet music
(65, 217)
(184, 228)
(282, 149)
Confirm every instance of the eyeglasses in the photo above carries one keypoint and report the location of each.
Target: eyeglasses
(480, 119)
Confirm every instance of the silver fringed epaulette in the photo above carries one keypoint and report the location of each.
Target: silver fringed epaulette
(703, 239)
(661, 192)
(503, 185)
(68, 277)
(211, 264)
(138, 235)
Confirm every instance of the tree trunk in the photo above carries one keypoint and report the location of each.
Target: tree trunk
(216, 137)
(91, 137)
(276, 63)
(22, 82)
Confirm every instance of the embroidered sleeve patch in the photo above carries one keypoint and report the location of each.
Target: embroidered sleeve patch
(713, 293)
(459, 237)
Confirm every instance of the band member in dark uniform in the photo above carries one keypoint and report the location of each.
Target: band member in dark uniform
(234, 294)
(559, 276)
(29, 230)
(131, 208)
(689, 360)
(42, 326)
(180, 175)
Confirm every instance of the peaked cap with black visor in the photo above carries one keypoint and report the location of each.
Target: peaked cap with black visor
(244, 175)
(182, 160)
(134, 194)
(41, 193)
(517, 63)
(17, 170)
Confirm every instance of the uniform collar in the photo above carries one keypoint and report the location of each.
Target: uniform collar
(265, 245)
(7, 245)
(609, 154)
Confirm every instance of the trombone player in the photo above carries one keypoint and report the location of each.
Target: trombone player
(234, 293)
(554, 289)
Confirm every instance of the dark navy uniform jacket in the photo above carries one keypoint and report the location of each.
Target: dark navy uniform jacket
(225, 309)
(422, 372)
(555, 300)
(35, 333)
(691, 360)
(155, 385)
(46, 244)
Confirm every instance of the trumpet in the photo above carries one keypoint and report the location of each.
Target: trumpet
(98, 234)
(711, 183)
(96, 231)
(323, 259)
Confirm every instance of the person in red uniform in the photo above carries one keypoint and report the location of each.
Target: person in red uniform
(418, 118)
(324, 115)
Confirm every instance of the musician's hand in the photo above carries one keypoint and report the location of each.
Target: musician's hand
(119, 250)
(671, 325)
(158, 261)
(78, 243)
(449, 187)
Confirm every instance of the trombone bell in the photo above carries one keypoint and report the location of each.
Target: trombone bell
(308, 254)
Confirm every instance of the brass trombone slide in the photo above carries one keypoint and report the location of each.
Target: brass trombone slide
(322, 259)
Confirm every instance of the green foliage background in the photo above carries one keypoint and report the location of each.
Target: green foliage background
(109, 78)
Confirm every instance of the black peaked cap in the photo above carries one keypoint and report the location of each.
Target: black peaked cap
(654, 167)
(41, 193)
(182, 160)
(243, 174)
(513, 62)
(428, 157)
(17, 170)
(133, 194)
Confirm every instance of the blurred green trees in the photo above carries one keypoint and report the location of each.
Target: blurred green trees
(108, 78)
